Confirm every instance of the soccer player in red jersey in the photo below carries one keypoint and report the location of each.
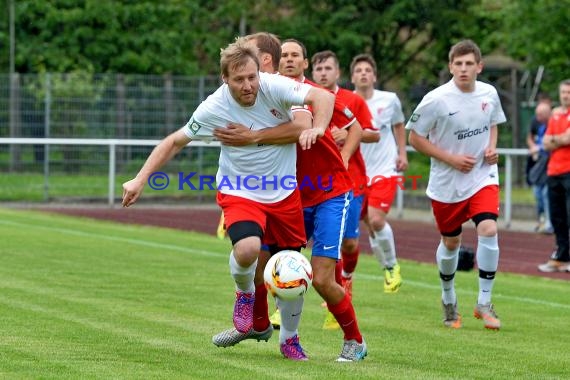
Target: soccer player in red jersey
(326, 72)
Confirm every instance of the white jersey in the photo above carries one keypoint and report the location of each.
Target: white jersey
(262, 173)
(459, 123)
(380, 157)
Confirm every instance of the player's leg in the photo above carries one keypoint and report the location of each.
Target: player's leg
(449, 219)
(350, 249)
(484, 206)
(327, 237)
(244, 219)
(381, 196)
(284, 231)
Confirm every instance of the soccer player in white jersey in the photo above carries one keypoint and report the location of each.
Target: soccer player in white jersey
(456, 125)
(384, 160)
(258, 213)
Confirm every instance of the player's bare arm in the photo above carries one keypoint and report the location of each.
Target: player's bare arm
(160, 155)
(322, 102)
(370, 136)
(352, 142)
(239, 135)
(460, 162)
(399, 131)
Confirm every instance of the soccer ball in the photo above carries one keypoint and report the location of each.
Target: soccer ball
(288, 275)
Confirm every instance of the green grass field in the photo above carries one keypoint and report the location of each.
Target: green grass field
(98, 300)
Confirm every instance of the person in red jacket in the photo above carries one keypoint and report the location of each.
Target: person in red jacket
(557, 141)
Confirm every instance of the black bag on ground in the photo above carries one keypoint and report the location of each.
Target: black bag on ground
(466, 260)
(537, 174)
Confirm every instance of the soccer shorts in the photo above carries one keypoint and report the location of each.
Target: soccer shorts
(352, 230)
(281, 222)
(449, 217)
(381, 193)
(325, 223)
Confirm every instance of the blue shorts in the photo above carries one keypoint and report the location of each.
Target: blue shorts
(352, 230)
(325, 223)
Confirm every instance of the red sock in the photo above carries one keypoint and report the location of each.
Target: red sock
(260, 309)
(349, 260)
(338, 272)
(344, 314)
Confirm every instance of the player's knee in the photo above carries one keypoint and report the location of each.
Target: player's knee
(451, 242)
(246, 250)
(377, 223)
(487, 228)
(349, 245)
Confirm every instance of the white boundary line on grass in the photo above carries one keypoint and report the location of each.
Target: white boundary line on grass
(213, 253)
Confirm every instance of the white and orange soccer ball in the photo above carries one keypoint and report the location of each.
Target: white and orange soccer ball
(288, 275)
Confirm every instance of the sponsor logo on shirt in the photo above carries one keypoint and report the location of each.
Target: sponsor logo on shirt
(468, 132)
(415, 117)
(484, 106)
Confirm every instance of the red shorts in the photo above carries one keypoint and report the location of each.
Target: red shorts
(381, 194)
(281, 222)
(449, 217)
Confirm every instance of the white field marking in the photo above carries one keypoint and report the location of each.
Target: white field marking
(145, 243)
(210, 253)
(425, 285)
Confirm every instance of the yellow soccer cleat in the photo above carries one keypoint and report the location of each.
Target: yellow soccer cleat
(275, 319)
(392, 279)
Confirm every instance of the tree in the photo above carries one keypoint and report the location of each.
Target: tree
(542, 41)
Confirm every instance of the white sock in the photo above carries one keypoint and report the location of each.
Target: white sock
(447, 265)
(243, 276)
(377, 251)
(385, 241)
(290, 317)
(488, 262)
(346, 274)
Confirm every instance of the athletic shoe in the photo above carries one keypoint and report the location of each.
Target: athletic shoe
(243, 311)
(275, 319)
(554, 266)
(292, 349)
(232, 337)
(347, 285)
(488, 315)
(330, 322)
(352, 351)
(451, 318)
(392, 279)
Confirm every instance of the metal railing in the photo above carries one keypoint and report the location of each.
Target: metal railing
(112, 145)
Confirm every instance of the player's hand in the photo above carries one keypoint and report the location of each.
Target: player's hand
(132, 190)
(491, 156)
(463, 163)
(402, 163)
(309, 137)
(339, 135)
(234, 135)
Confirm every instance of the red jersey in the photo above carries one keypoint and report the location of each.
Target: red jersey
(359, 108)
(321, 174)
(559, 162)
